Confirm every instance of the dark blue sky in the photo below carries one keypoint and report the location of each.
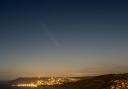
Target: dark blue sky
(63, 37)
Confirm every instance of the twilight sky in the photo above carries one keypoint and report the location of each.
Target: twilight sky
(63, 37)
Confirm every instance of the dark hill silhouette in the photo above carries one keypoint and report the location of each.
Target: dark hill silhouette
(110, 81)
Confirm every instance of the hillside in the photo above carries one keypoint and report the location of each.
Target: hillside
(110, 81)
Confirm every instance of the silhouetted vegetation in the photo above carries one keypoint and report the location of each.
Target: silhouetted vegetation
(110, 81)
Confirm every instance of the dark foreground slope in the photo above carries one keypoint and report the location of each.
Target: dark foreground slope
(111, 81)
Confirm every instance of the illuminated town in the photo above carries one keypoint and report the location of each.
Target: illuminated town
(120, 84)
(41, 82)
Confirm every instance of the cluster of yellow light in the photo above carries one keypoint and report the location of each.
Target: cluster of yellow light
(26, 85)
(120, 84)
(53, 81)
(50, 81)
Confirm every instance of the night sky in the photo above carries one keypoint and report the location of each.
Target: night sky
(63, 37)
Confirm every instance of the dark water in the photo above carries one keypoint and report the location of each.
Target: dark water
(4, 85)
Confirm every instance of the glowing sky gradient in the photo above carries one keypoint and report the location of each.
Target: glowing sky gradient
(63, 37)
